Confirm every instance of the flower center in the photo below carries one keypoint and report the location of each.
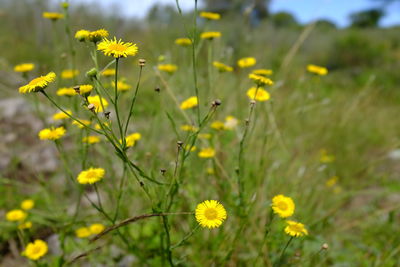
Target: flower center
(282, 205)
(117, 47)
(36, 250)
(296, 228)
(91, 174)
(211, 214)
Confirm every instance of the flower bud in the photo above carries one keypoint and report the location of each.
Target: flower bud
(92, 73)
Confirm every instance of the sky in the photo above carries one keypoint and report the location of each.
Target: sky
(304, 10)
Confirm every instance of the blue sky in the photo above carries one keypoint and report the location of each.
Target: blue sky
(304, 10)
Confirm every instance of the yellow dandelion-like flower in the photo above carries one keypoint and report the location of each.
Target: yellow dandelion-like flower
(96, 101)
(98, 127)
(191, 102)
(52, 15)
(207, 153)
(82, 35)
(91, 139)
(61, 115)
(210, 213)
(96, 36)
(205, 136)
(222, 67)
(210, 35)
(16, 215)
(218, 125)
(83, 232)
(317, 70)
(85, 89)
(188, 128)
(325, 157)
(122, 86)
(191, 148)
(66, 91)
(117, 49)
(246, 62)
(262, 94)
(263, 72)
(108, 73)
(24, 67)
(96, 228)
(231, 122)
(170, 68)
(210, 15)
(52, 133)
(69, 74)
(38, 84)
(283, 206)
(332, 181)
(183, 41)
(260, 80)
(25, 225)
(91, 175)
(27, 204)
(85, 122)
(131, 139)
(36, 250)
(295, 229)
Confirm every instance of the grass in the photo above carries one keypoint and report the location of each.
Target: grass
(351, 113)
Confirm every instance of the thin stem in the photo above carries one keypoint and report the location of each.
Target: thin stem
(133, 101)
(284, 250)
(186, 237)
(116, 95)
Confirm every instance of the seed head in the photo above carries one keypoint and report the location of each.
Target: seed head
(91, 107)
(142, 62)
(77, 89)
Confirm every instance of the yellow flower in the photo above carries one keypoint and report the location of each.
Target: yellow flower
(36, 250)
(52, 133)
(27, 204)
(61, 115)
(210, 171)
(24, 67)
(69, 74)
(260, 80)
(295, 229)
(25, 225)
(191, 102)
(95, 36)
(16, 215)
(210, 35)
(192, 149)
(83, 232)
(97, 102)
(222, 67)
(85, 122)
(91, 139)
(218, 125)
(210, 213)
(132, 138)
(117, 49)
(332, 181)
(263, 72)
(231, 122)
(246, 62)
(85, 89)
(82, 35)
(98, 127)
(122, 86)
(325, 157)
(108, 72)
(317, 70)
(283, 206)
(96, 228)
(52, 15)
(38, 84)
(91, 175)
(205, 136)
(261, 96)
(207, 153)
(188, 128)
(183, 41)
(170, 68)
(210, 15)
(66, 91)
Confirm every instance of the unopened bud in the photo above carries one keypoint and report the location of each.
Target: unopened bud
(252, 102)
(92, 73)
(216, 103)
(91, 107)
(163, 171)
(64, 5)
(157, 89)
(325, 246)
(77, 89)
(107, 114)
(142, 62)
(180, 144)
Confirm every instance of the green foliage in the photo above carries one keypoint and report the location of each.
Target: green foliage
(367, 18)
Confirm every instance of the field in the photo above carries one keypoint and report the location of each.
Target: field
(304, 169)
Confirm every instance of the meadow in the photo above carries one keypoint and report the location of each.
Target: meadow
(201, 140)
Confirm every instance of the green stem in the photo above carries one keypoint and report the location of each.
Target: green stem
(284, 250)
(133, 101)
(116, 95)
